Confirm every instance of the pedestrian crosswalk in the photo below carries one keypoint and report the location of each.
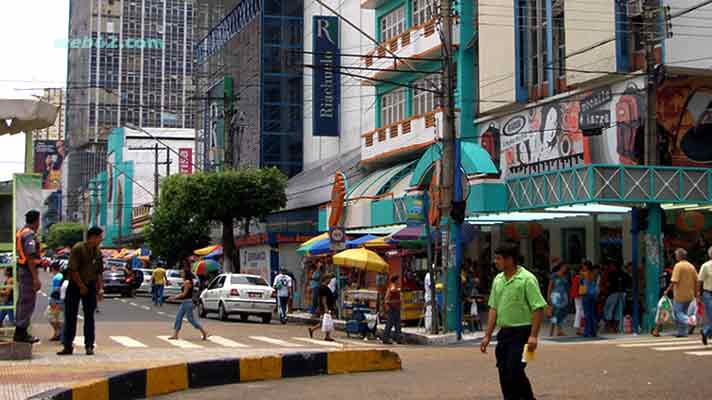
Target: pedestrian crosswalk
(671, 344)
(216, 341)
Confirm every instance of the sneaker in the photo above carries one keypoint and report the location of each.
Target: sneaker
(90, 351)
(704, 338)
(27, 339)
(67, 351)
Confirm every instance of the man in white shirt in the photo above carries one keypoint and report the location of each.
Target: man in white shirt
(705, 279)
(283, 284)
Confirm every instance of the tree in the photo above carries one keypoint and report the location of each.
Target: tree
(64, 234)
(174, 231)
(239, 195)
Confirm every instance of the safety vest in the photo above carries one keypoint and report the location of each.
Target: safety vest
(21, 258)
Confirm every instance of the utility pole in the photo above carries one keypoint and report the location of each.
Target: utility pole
(448, 163)
(228, 116)
(650, 15)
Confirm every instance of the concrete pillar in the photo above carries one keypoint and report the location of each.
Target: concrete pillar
(653, 263)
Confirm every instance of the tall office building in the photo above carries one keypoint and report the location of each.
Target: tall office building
(129, 62)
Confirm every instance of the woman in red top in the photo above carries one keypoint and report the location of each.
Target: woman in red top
(392, 304)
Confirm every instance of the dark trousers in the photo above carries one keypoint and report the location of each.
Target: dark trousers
(26, 298)
(393, 321)
(71, 310)
(512, 378)
(589, 311)
(282, 302)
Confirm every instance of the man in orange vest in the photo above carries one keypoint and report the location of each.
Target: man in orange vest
(28, 282)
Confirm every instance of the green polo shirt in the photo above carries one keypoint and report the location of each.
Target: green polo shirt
(517, 299)
(87, 262)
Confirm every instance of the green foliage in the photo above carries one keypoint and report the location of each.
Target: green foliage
(64, 235)
(189, 203)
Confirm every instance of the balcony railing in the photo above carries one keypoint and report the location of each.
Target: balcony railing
(421, 41)
(401, 138)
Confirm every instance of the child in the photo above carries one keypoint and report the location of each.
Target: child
(55, 309)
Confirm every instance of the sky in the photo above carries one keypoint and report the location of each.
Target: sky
(30, 31)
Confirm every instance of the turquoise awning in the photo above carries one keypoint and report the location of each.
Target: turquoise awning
(379, 181)
(475, 160)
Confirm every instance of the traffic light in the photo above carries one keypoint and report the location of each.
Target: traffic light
(642, 219)
(457, 213)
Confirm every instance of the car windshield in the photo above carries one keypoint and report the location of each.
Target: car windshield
(247, 280)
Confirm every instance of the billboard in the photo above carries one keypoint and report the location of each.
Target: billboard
(327, 82)
(48, 159)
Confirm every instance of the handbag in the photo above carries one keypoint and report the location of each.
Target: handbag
(327, 323)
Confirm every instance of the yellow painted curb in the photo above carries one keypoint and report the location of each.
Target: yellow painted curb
(169, 379)
(347, 361)
(91, 390)
(260, 369)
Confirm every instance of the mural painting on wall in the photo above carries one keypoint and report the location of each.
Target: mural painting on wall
(685, 117)
(604, 125)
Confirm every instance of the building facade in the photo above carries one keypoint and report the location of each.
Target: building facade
(248, 56)
(122, 196)
(129, 62)
(54, 96)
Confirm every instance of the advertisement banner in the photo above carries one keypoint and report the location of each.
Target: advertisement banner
(255, 261)
(327, 81)
(185, 164)
(28, 196)
(48, 159)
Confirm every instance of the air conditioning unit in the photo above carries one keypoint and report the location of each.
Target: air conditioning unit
(635, 8)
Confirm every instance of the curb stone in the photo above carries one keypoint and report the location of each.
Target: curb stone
(167, 379)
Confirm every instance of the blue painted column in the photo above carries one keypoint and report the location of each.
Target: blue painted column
(634, 271)
(550, 47)
(653, 264)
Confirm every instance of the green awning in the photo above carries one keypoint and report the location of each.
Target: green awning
(475, 160)
(379, 181)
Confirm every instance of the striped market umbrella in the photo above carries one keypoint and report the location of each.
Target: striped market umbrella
(306, 246)
(206, 250)
(363, 259)
(204, 267)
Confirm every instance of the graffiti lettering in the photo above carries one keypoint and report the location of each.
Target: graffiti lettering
(514, 125)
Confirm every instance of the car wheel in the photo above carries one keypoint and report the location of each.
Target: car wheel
(244, 317)
(222, 314)
(201, 310)
(267, 318)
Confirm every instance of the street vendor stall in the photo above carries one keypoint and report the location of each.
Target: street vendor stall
(361, 291)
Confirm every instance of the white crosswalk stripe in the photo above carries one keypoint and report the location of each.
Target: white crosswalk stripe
(699, 353)
(700, 346)
(79, 341)
(319, 342)
(669, 345)
(183, 344)
(127, 341)
(660, 343)
(275, 341)
(226, 342)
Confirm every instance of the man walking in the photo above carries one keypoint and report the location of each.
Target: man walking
(516, 307)
(283, 284)
(158, 279)
(705, 279)
(85, 284)
(28, 281)
(684, 286)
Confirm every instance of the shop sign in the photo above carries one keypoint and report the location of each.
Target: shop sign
(185, 163)
(327, 82)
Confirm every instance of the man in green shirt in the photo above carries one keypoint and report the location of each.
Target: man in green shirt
(516, 307)
(86, 283)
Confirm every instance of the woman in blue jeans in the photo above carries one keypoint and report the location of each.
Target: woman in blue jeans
(589, 302)
(186, 306)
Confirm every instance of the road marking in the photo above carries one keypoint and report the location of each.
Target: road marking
(319, 342)
(183, 344)
(680, 348)
(146, 307)
(121, 300)
(79, 341)
(275, 341)
(225, 342)
(127, 341)
(660, 343)
(699, 353)
(161, 313)
(134, 304)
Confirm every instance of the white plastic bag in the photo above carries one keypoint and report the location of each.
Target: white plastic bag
(473, 309)
(327, 323)
(692, 314)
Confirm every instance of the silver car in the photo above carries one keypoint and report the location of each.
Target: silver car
(174, 283)
(239, 294)
(146, 284)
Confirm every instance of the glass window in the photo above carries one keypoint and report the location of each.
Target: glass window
(247, 280)
(425, 101)
(393, 24)
(392, 107)
(424, 11)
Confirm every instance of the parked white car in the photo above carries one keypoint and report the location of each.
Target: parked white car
(239, 294)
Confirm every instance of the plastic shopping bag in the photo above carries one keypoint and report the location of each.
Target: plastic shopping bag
(327, 323)
(664, 311)
(692, 314)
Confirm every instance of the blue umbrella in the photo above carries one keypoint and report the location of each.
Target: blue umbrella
(358, 242)
(321, 247)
